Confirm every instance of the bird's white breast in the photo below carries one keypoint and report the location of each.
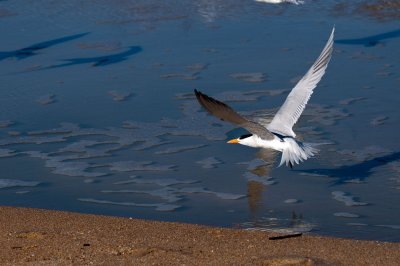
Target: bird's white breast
(257, 142)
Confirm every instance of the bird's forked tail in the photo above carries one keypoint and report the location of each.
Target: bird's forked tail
(296, 152)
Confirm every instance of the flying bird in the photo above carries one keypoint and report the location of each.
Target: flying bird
(278, 134)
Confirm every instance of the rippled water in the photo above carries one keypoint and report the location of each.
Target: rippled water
(97, 112)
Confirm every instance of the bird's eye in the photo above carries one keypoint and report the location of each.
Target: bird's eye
(245, 136)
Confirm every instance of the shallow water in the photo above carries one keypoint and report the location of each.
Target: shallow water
(97, 113)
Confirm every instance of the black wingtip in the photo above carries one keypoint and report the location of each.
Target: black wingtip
(201, 96)
(198, 94)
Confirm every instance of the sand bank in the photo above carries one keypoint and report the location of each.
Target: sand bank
(32, 236)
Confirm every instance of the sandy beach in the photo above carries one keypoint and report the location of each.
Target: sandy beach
(43, 237)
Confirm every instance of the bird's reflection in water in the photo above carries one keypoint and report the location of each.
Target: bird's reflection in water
(295, 220)
(255, 192)
(255, 189)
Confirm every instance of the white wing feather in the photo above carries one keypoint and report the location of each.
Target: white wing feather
(297, 99)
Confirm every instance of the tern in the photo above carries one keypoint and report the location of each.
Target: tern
(278, 134)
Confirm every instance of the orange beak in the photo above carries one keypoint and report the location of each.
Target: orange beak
(233, 141)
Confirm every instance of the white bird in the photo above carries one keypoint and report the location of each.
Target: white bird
(296, 2)
(278, 134)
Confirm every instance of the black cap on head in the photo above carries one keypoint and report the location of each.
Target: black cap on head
(245, 136)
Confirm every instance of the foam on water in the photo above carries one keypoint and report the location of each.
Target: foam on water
(129, 166)
(291, 201)
(379, 120)
(221, 195)
(7, 153)
(73, 169)
(119, 96)
(21, 192)
(347, 199)
(158, 181)
(157, 206)
(7, 183)
(265, 180)
(46, 99)
(250, 77)
(357, 224)
(6, 123)
(180, 149)
(209, 162)
(167, 193)
(351, 100)
(391, 226)
(346, 215)
(355, 181)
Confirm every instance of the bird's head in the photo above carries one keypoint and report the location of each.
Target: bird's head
(247, 140)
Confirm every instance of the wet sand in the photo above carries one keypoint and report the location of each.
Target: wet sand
(33, 236)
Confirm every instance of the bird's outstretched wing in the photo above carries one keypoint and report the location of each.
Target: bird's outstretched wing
(297, 99)
(226, 113)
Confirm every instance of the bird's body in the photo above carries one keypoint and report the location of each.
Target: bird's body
(278, 134)
(257, 142)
